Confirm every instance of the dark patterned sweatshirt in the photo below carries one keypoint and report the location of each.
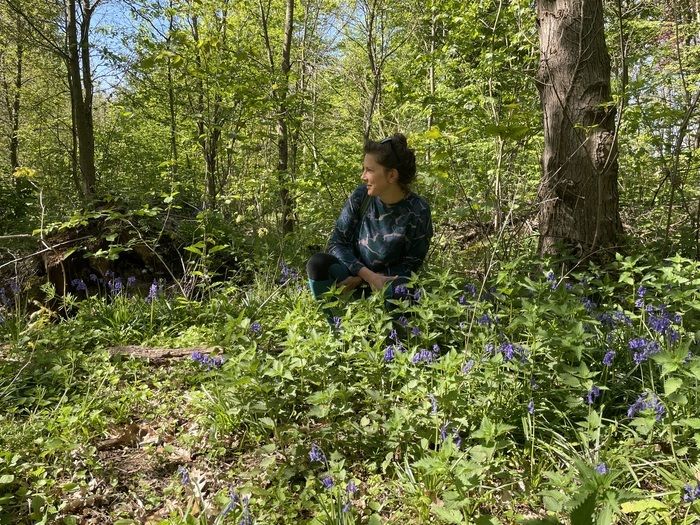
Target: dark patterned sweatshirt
(391, 239)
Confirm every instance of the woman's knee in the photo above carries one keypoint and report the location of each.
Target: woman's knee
(318, 266)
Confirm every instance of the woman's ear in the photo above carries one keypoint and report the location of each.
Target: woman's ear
(393, 175)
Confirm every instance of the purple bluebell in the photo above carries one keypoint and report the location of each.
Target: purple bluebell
(485, 320)
(417, 295)
(471, 289)
(531, 407)
(645, 348)
(466, 368)
(256, 327)
(328, 482)
(415, 331)
(690, 493)
(246, 518)
(423, 356)
(393, 335)
(401, 291)
(337, 322)
(601, 468)
(152, 292)
(402, 321)
(130, 281)
(552, 280)
(233, 501)
(639, 303)
(609, 357)
(210, 362)
(641, 291)
(184, 475)
(588, 304)
(462, 299)
(433, 404)
(116, 285)
(389, 353)
(79, 285)
(287, 273)
(351, 488)
(592, 395)
(443, 431)
(647, 402)
(316, 455)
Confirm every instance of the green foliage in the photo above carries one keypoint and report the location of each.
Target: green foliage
(495, 396)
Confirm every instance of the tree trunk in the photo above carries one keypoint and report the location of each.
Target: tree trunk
(578, 192)
(171, 101)
(80, 85)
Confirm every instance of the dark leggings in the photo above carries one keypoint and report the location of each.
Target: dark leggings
(325, 270)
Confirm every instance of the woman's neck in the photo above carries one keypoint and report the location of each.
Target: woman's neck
(393, 195)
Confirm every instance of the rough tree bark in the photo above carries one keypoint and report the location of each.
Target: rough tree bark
(578, 192)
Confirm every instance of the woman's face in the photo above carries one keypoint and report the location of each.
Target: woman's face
(378, 179)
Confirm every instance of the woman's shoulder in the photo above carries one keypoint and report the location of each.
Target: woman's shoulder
(418, 203)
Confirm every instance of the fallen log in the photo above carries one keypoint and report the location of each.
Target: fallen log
(158, 354)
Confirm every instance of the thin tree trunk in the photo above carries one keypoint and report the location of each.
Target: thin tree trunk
(81, 88)
(578, 192)
(171, 103)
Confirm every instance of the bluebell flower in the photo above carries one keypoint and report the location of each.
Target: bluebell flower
(485, 320)
(531, 407)
(389, 353)
(351, 488)
(489, 348)
(552, 280)
(152, 292)
(402, 321)
(401, 291)
(417, 295)
(462, 299)
(210, 362)
(246, 518)
(337, 321)
(328, 482)
(433, 404)
(79, 285)
(256, 327)
(131, 281)
(510, 350)
(471, 289)
(287, 273)
(644, 349)
(233, 501)
(691, 493)
(184, 475)
(647, 402)
(347, 506)
(393, 335)
(443, 431)
(466, 368)
(641, 291)
(601, 468)
(592, 395)
(639, 303)
(423, 356)
(609, 357)
(116, 285)
(588, 304)
(415, 331)
(316, 455)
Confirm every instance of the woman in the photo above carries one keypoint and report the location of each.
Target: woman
(384, 230)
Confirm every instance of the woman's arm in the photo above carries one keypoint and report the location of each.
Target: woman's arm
(344, 234)
(418, 244)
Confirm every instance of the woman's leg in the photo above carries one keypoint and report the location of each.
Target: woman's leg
(324, 270)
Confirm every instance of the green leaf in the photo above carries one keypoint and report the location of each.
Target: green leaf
(672, 384)
(583, 507)
(6, 478)
(446, 515)
(630, 507)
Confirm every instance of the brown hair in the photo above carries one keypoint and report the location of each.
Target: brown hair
(393, 152)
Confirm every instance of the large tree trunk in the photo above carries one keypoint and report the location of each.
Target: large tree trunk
(282, 128)
(578, 193)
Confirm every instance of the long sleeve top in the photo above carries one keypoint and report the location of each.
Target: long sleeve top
(392, 239)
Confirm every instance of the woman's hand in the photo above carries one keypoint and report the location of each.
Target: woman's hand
(349, 284)
(377, 281)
